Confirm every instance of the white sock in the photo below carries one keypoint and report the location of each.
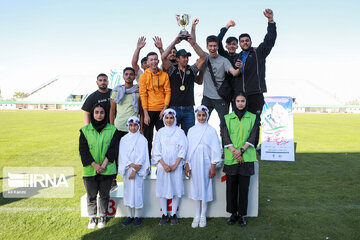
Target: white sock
(175, 204)
(163, 204)
(138, 212)
(197, 208)
(130, 211)
(203, 208)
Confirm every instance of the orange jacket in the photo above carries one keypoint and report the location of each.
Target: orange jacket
(154, 90)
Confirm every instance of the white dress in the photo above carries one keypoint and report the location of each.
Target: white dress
(133, 148)
(169, 144)
(204, 150)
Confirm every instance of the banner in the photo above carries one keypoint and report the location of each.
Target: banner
(277, 129)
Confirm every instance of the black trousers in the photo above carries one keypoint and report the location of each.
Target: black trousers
(93, 187)
(237, 189)
(149, 129)
(256, 103)
(222, 108)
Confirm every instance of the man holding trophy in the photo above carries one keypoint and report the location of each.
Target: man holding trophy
(182, 78)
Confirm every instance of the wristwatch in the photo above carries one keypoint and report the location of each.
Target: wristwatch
(242, 150)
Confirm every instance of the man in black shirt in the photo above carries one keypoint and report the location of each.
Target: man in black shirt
(230, 53)
(102, 95)
(182, 78)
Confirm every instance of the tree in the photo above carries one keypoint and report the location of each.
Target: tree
(353, 102)
(20, 95)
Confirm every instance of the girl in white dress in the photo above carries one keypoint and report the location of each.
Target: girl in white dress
(133, 166)
(169, 150)
(203, 154)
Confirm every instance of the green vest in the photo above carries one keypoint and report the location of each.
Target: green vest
(98, 144)
(239, 132)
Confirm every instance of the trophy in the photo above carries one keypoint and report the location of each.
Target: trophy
(183, 20)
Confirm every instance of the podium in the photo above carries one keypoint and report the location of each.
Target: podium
(216, 208)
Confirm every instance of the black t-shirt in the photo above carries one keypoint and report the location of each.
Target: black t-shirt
(98, 97)
(186, 97)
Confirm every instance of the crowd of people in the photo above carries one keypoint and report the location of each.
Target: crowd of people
(118, 136)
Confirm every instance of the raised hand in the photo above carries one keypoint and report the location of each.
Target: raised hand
(158, 42)
(190, 39)
(195, 22)
(230, 23)
(141, 42)
(268, 13)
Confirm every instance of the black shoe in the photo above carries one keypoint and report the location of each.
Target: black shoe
(137, 222)
(114, 186)
(232, 219)
(164, 219)
(127, 221)
(174, 220)
(242, 221)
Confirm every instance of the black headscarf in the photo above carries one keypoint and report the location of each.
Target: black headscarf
(240, 113)
(99, 126)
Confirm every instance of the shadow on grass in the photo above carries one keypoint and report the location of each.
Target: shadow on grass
(312, 198)
(23, 192)
(150, 229)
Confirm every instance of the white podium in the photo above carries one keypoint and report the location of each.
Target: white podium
(216, 208)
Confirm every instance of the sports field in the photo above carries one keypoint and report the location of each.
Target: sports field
(315, 197)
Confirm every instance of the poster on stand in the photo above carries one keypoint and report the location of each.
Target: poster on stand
(277, 129)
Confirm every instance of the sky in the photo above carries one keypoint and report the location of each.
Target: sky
(316, 56)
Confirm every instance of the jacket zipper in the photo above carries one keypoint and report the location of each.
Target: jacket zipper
(257, 70)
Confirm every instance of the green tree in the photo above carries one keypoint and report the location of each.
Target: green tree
(353, 102)
(20, 95)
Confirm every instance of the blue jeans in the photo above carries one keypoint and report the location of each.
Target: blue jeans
(184, 116)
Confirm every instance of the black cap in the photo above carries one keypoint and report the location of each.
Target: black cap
(182, 52)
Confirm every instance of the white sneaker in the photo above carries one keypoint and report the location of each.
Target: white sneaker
(92, 223)
(195, 222)
(202, 222)
(102, 222)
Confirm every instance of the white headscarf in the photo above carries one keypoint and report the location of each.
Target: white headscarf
(133, 119)
(133, 142)
(169, 130)
(203, 131)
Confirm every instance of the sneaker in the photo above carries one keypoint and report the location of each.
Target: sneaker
(174, 220)
(114, 186)
(164, 219)
(232, 219)
(137, 222)
(102, 222)
(242, 221)
(195, 222)
(127, 221)
(92, 223)
(202, 222)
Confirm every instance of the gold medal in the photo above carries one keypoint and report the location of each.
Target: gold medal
(182, 87)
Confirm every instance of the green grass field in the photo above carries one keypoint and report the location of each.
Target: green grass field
(315, 197)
